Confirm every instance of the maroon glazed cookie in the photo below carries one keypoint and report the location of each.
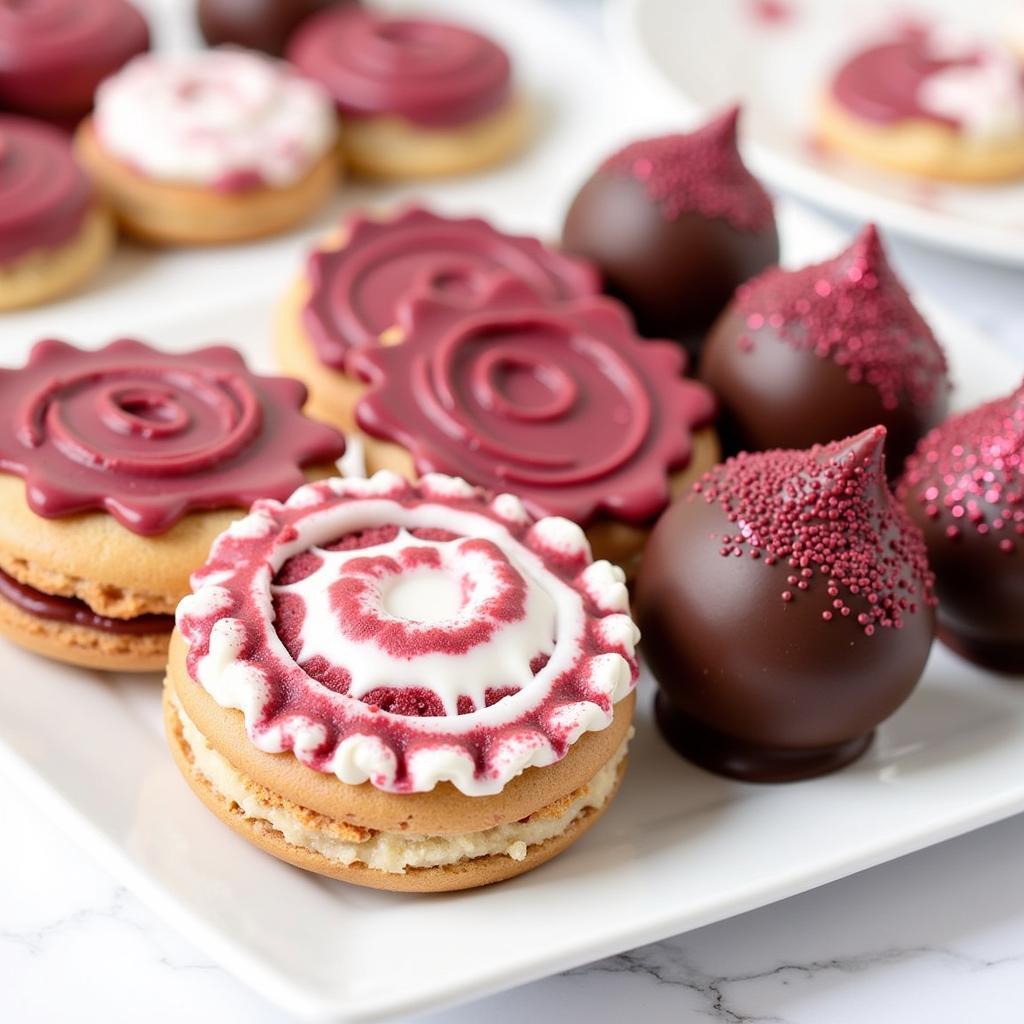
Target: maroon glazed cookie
(147, 435)
(802, 356)
(562, 405)
(786, 608)
(118, 468)
(263, 25)
(356, 290)
(431, 73)
(53, 53)
(44, 196)
(964, 486)
(675, 224)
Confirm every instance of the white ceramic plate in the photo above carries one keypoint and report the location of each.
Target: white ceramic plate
(679, 848)
(686, 59)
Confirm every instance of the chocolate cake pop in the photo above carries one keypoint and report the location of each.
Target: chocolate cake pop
(786, 608)
(257, 24)
(675, 223)
(803, 356)
(964, 486)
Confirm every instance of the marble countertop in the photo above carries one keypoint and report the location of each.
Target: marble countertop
(935, 937)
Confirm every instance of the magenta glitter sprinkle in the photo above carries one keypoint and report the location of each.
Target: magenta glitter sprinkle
(971, 470)
(700, 172)
(828, 515)
(853, 310)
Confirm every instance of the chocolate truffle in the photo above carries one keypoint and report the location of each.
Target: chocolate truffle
(257, 24)
(964, 486)
(803, 356)
(675, 223)
(786, 608)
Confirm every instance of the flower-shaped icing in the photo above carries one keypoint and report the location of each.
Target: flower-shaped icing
(356, 290)
(148, 435)
(566, 406)
(410, 634)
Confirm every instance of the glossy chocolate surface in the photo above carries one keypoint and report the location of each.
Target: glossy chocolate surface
(801, 357)
(774, 657)
(675, 224)
(265, 25)
(964, 486)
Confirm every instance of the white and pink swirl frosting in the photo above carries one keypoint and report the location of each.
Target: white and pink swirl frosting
(225, 119)
(409, 634)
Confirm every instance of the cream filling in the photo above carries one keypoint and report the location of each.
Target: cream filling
(394, 852)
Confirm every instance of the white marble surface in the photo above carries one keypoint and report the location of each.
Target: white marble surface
(935, 938)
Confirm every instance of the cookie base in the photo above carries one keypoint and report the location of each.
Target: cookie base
(748, 762)
(44, 274)
(391, 148)
(448, 878)
(922, 149)
(165, 213)
(81, 646)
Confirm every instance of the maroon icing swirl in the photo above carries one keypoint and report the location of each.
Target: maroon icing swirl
(881, 83)
(54, 53)
(356, 290)
(433, 73)
(74, 612)
(565, 405)
(148, 435)
(43, 194)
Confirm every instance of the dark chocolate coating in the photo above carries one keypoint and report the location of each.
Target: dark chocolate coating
(753, 687)
(676, 275)
(775, 395)
(980, 589)
(257, 24)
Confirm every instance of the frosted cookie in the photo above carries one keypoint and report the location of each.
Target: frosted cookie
(417, 97)
(933, 101)
(349, 294)
(118, 468)
(54, 53)
(563, 404)
(409, 687)
(54, 234)
(209, 147)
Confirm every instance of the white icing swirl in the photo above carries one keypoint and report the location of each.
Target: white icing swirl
(985, 96)
(217, 118)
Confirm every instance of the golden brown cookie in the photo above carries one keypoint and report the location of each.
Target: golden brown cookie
(45, 274)
(392, 148)
(172, 214)
(124, 464)
(210, 146)
(429, 691)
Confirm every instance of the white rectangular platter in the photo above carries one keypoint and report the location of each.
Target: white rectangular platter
(678, 849)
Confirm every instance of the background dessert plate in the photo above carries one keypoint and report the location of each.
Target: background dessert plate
(677, 850)
(776, 56)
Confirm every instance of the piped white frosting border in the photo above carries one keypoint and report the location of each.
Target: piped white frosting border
(595, 637)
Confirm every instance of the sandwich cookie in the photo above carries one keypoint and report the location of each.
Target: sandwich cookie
(408, 687)
(118, 468)
(210, 147)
